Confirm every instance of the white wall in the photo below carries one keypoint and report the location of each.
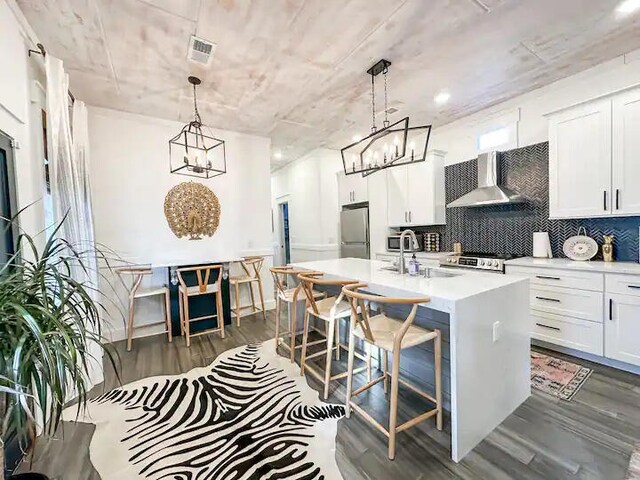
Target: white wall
(130, 178)
(20, 104)
(310, 186)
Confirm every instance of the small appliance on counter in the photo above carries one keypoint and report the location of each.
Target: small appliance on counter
(431, 242)
(393, 243)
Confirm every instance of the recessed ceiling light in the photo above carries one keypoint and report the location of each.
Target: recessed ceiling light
(442, 98)
(277, 155)
(628, 6)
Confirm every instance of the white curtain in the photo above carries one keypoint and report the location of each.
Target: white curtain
(69, 176)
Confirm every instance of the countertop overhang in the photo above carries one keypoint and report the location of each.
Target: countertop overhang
(443, 291)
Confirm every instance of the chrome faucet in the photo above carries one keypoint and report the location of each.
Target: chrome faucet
(414, 240)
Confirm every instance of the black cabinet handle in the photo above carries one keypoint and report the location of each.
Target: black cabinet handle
(634, 286)
(617, 199)
(548, 299)
(605, 199)
(544, 277)
(547, 326)
(611, 309)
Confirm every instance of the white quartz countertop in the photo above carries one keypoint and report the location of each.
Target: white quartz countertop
(632, 268)
(429, 255)
(443, 291)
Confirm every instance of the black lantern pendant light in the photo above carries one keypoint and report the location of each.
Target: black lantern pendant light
(394, 145)
(195, 151)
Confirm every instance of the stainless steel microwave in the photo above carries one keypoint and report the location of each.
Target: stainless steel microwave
(393, 243)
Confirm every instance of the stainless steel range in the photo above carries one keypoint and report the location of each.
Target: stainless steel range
(490, 262)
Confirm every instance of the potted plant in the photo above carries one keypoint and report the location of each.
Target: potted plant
(48, 321)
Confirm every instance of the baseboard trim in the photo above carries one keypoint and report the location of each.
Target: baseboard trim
(607, 362)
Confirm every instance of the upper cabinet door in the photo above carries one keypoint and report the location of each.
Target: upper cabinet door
(626, 153)
(425, 185)
(397, 197)
(360, 188)
(580, 161)
(352, 188)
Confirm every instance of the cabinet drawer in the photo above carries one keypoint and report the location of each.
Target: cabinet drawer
(568, 332)
(582, 304)
(548, 277)
(624, 284)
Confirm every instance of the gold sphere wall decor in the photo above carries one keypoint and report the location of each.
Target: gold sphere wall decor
(192, 209)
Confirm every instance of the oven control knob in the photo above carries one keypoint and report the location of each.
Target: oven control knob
(448, 260)
(481, 263)
(495, 263)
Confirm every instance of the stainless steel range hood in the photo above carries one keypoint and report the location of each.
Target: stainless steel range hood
(488, 191)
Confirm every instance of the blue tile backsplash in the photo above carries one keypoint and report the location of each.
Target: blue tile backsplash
(509, 228)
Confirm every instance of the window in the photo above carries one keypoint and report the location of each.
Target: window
(494, 139)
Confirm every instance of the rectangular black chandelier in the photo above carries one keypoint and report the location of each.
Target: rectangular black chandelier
(379, 150)
(417, 139)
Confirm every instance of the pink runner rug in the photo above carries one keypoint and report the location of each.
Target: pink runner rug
(557, 377)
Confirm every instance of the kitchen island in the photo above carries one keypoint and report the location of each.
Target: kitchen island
(485, 320)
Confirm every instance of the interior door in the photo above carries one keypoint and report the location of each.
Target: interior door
(622, 329)
(397, 197)
(580, 161)
(626, 153)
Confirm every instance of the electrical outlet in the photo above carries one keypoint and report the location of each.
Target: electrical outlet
(496, 331)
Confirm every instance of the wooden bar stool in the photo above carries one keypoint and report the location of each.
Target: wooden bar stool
(391, 335)
(251, 266)
(203, 274)
(331, 310)
(289, 295)
(132, 276)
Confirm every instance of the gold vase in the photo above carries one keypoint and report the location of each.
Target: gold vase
(607, 248)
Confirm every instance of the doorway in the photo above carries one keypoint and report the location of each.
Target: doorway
(8, 229)
(285, 237)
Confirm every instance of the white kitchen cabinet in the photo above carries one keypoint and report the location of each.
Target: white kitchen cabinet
(622, 328)
(626, 153)
(352, 189)
(415, 193)
(580, 161)
(397, 197)
(593, 158)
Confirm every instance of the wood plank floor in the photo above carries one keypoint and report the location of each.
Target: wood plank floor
(591, 437)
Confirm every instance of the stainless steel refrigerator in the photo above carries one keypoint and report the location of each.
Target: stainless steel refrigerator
(354, 232)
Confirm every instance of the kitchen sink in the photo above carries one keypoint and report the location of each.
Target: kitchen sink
(425, 272)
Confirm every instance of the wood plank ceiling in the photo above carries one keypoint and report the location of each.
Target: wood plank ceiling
(294, 70)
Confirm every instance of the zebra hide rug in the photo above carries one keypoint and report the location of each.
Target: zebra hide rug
(248, 415)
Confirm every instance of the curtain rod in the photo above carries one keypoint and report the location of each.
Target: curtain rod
(41, 51)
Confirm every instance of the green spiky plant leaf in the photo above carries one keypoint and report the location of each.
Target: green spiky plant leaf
(48, 320)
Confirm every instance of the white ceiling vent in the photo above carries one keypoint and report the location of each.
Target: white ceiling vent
(200, 50)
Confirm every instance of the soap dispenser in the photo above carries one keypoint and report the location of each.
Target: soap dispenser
(414, 266)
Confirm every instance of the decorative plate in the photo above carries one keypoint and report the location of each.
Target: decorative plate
(580, 247)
